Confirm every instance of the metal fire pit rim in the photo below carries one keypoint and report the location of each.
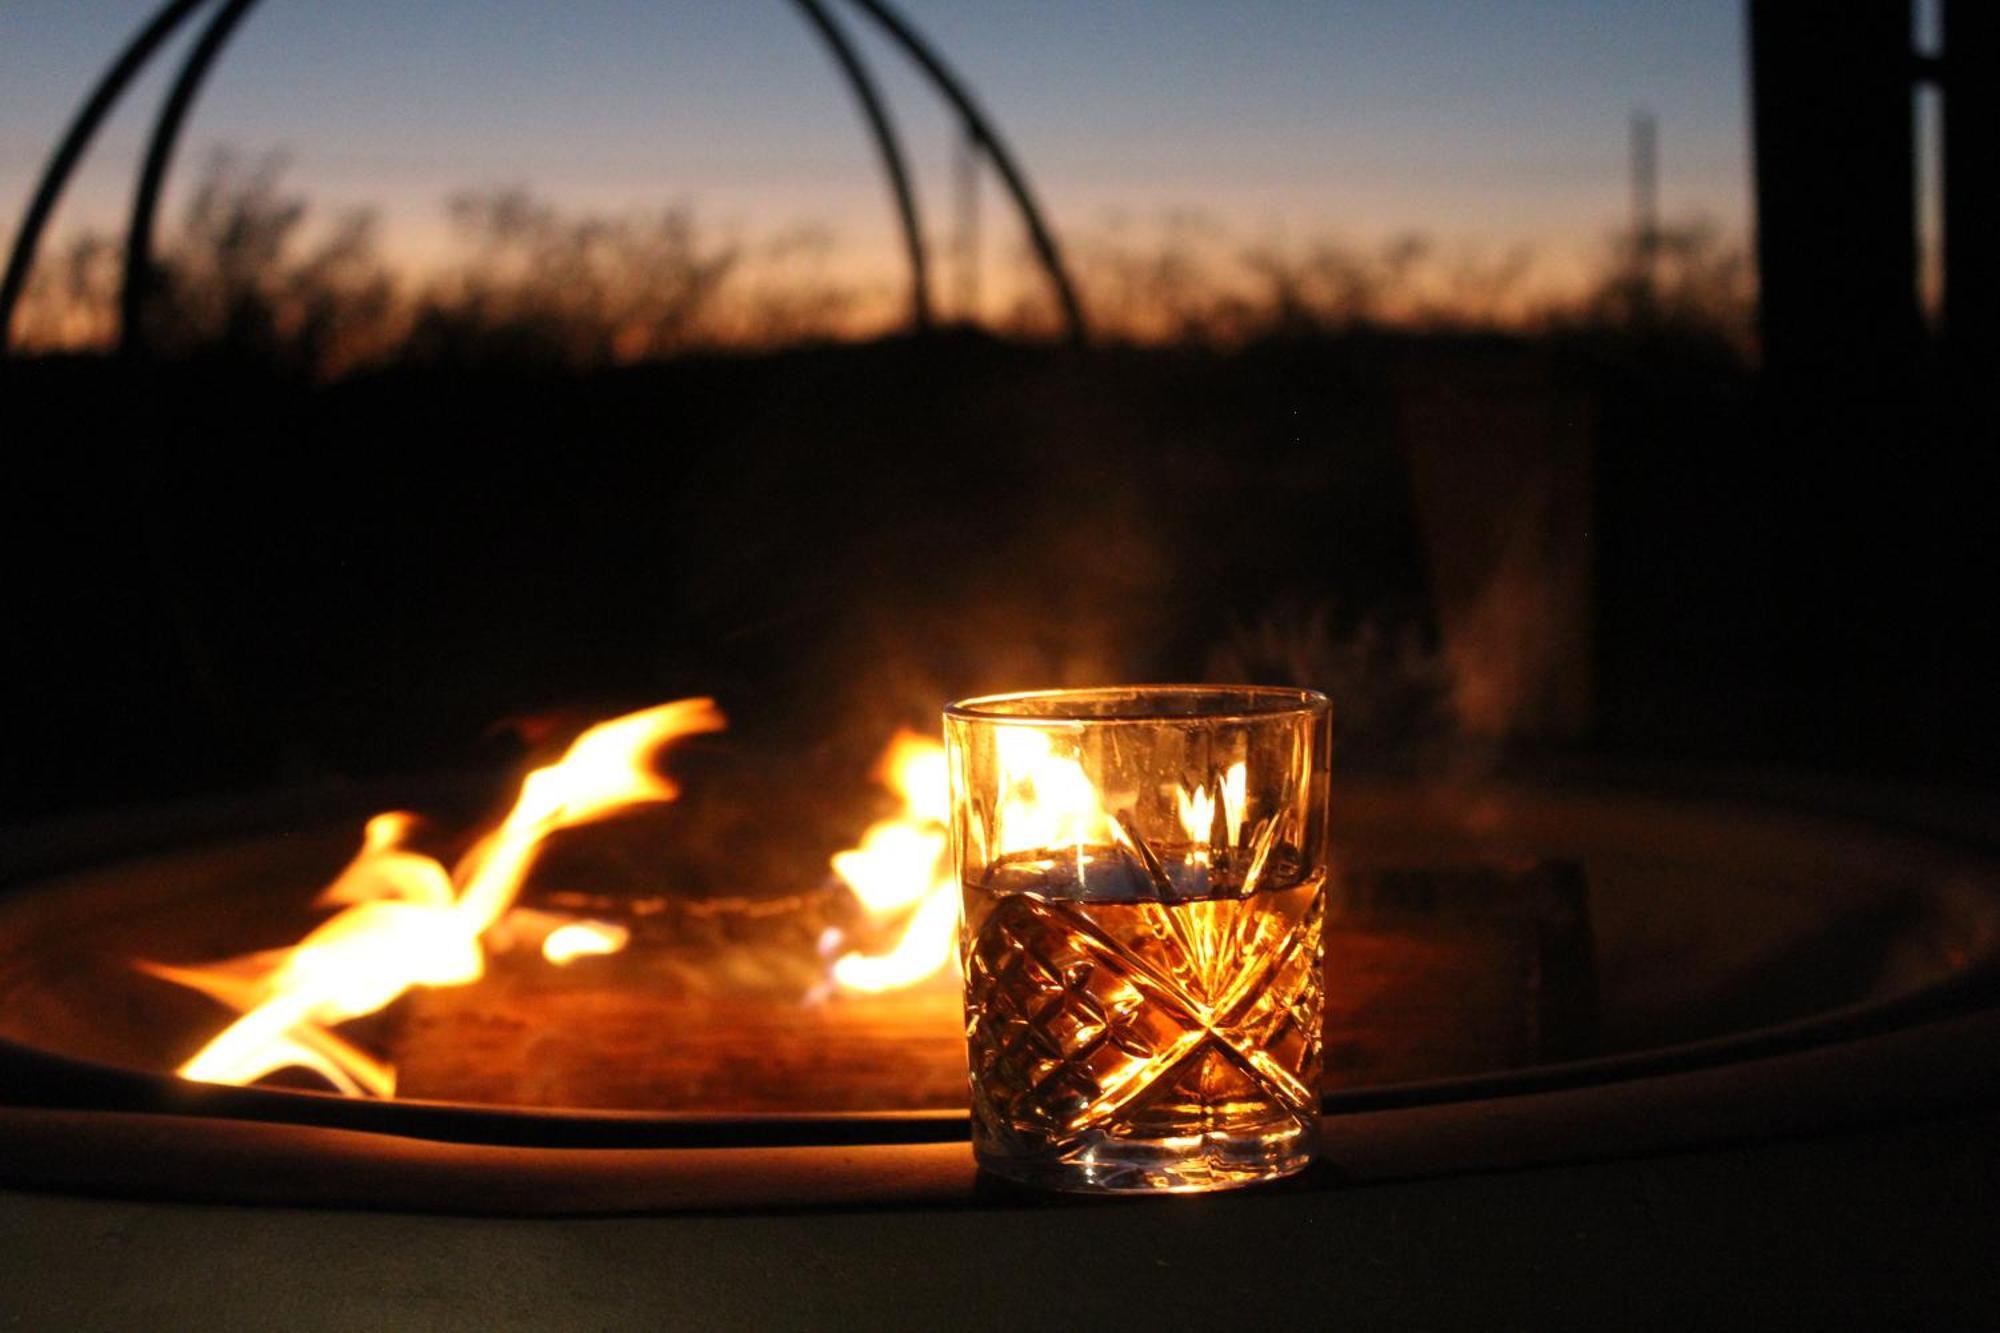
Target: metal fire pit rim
(72, 1083)
(69, 1083)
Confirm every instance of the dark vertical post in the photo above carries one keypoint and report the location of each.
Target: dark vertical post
(1972, 182)
(1845, 495)
(1970, 421)
(1833, 134)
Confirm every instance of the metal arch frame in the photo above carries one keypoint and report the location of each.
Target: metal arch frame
(889, 143)
(82, 129)
(153, 172)
(981, 130)
(201, 58)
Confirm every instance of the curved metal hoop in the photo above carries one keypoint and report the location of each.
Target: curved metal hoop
(981, 130)
(890, 145)
(82, 129)
(153, 173)
(180, 98)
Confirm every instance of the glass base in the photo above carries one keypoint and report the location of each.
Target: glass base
(1196, 1164)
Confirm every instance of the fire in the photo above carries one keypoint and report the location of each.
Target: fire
(405, 921)
(904, 865)
(583, 939)
(1045, 798)
(1210, 822)
(1047, 801)
(402, 919)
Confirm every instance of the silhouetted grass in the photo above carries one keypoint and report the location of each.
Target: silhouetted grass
(252, 273)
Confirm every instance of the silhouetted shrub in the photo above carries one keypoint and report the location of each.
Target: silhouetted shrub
(249, 275)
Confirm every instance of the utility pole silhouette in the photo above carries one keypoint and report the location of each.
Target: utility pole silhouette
(1645, 209)
(965, 198)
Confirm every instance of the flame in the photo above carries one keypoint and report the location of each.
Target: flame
(405, 921)
(1198, 811)
(1045, 799)
(904, 865)
(582, 939)
(401, 919)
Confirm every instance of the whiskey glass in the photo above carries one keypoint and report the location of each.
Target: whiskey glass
(1144, 874)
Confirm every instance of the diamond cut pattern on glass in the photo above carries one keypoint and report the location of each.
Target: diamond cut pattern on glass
(1196, 1014)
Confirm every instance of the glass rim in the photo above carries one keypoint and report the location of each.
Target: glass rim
(1240, 703)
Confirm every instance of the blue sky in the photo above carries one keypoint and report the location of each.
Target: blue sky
(1486, 125)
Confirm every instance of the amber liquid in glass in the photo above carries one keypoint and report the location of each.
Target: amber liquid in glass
(1127, 1037)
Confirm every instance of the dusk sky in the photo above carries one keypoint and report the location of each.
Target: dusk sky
(1483, 125)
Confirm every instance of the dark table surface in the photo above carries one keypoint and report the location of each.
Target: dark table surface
(1889, 1228)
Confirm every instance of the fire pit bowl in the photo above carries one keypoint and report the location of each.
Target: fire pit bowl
(1504, 944)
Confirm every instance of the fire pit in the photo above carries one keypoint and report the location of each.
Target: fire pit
(1485, 939)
